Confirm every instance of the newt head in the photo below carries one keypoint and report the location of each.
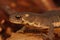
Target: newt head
(18, 18)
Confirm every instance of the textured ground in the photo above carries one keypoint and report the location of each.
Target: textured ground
(31, 36)
(20, 36)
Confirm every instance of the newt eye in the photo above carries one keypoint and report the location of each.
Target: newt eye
(18, 17)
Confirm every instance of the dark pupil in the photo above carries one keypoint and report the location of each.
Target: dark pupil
(18, 17)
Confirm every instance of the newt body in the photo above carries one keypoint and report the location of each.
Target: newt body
(43, 20)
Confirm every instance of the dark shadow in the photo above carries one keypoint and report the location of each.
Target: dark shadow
(57, 2)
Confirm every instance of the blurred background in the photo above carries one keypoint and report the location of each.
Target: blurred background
(32, 5)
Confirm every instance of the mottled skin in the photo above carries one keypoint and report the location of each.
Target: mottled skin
(43, 20)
